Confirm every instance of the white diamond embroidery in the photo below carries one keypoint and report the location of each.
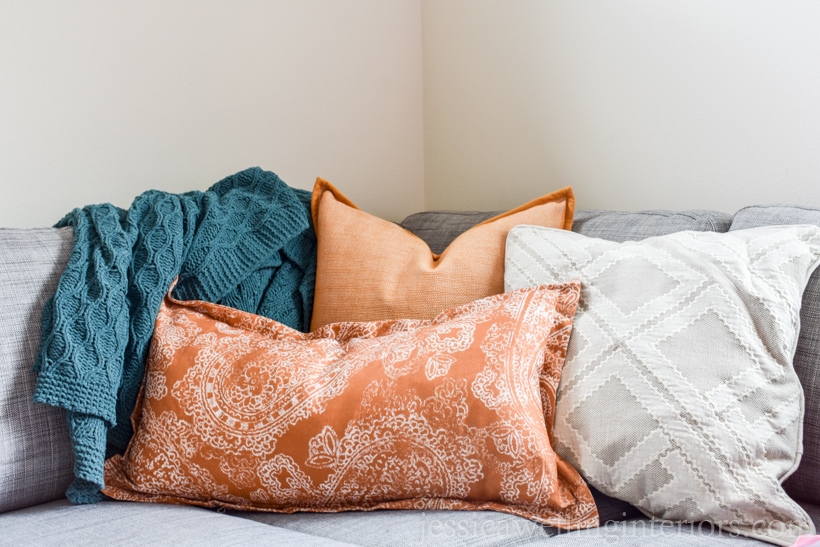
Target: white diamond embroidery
(678, 393)
(707, 365)
(633, 282)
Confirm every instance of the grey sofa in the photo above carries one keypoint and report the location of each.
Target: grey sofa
(36, 461)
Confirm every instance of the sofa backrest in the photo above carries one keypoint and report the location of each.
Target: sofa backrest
(439, 228)
(36, 461)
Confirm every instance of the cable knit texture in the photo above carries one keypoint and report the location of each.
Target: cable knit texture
(247, 242)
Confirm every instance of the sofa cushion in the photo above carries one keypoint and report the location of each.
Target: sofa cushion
(687, 340)
(804, 484)
(439, 228)
(370, 269)
(414, 528)
(35, 452)
(643, 532)
(487, 529)
(122, 524)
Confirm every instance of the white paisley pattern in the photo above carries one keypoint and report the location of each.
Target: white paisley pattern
(439, 414)
(248, 407)
(376, 448)
(407, 353)
(171, 333)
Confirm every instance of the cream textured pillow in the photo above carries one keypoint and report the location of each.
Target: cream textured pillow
(678, 394)
(370, 269)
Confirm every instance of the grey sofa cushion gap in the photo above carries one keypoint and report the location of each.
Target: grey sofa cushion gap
(804, 484)
(35, 454)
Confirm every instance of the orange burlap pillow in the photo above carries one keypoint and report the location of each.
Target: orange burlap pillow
(371, 269)
(242, 412)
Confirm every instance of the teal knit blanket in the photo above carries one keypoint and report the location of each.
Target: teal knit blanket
(247, 242)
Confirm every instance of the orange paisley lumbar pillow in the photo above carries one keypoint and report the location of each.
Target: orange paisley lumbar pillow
(242, 412)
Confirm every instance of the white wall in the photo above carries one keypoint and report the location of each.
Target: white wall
(101, 100)
(403, 104)
(636, 103)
